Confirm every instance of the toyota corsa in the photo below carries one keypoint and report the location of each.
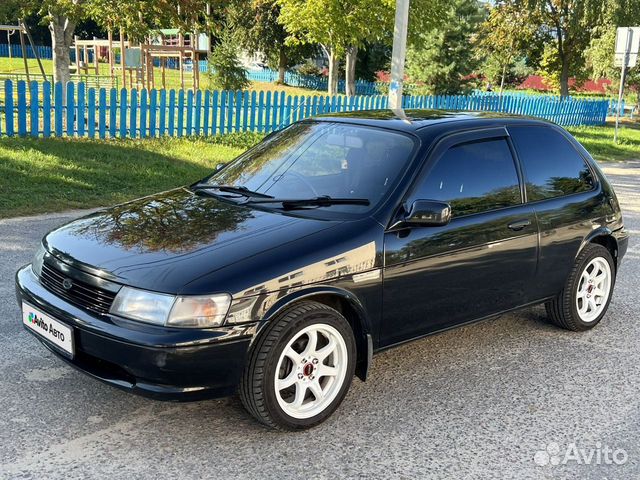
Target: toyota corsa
(283, 272)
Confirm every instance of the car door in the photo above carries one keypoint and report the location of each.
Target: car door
(480, 263)
(564, 193)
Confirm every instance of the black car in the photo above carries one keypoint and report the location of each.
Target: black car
(282, 273)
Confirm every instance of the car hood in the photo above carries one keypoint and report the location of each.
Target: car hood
(164, 241)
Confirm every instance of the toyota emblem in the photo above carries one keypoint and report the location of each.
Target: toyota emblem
(67, 284)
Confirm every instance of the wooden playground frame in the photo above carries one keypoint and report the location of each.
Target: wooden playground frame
(134, 73)
(23, 31)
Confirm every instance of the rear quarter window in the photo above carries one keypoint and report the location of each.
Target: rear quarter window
(552, 166)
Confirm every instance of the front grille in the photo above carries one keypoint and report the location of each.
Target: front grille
(81, 294)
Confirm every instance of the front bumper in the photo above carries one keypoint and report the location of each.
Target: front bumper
(158, 362)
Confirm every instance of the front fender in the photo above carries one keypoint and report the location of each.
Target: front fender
(363, 330)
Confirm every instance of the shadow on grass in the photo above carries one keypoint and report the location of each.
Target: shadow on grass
(47, 175)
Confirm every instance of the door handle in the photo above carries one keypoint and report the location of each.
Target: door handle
(519, 225)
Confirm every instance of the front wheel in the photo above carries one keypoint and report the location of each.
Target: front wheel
(301, 368)
(587, 293)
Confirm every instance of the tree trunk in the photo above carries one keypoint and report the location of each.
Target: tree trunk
(504, 74)
(282, 64)
(350, 72)
(333, 69)
(564, 78)
(61, 29)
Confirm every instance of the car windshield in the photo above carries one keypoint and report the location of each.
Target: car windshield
(319, 159)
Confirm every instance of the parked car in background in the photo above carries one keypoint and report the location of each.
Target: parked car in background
(283, 272)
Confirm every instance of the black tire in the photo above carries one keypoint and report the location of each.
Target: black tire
(257, 388)
(562, 310)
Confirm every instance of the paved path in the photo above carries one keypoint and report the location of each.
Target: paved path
(476, 402)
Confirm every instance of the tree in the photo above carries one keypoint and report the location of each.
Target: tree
(258, 30)
(225, 70)
(599, 56)
(441, 59)
(339, 26)
(504, 37)
(569, 24)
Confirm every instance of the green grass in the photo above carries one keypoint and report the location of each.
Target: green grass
(49, 175)
(172, 77)
(599, 141)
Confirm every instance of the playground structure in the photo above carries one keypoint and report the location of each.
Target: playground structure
(135, 63)
(23, 31)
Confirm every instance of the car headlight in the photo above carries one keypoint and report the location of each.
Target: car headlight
(38, 260)
(169, 310)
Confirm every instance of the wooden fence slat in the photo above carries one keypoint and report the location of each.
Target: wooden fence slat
(46, 109)
(22, 108)
(123, 113)
(143, 113)
(214, 112)
(113, 112)
(71, 109)
(34, 107)
(198, 112)
(260, 109)
(180, 131)
(91, 112)
(80, 111)
(206, 107)
(153, 112)
(171, 113)
(102, 113)
(133, 114)
(190, 113)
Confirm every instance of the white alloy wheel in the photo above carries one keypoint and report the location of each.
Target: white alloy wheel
(311, 371)
(594, 288)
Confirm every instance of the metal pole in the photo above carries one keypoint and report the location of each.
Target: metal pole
(398, 54)
(623, 74)
(24, 56)
(33, 47)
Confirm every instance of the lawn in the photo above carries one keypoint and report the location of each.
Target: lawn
(172, 77)
(599, 141)
(49, 175)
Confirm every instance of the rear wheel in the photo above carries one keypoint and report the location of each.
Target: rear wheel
(587, 294)
(300, 368)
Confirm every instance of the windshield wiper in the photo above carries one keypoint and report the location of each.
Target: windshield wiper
(322, 201)
(240, 190)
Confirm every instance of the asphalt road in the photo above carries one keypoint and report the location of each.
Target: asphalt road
(484, 401)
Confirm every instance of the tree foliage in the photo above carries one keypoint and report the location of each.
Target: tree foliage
(441, 59)
(503, 38)
(568, 24)
(225, 70)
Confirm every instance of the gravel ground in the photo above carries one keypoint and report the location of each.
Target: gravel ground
(493, 400)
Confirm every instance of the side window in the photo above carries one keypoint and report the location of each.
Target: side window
(473, 177)
(552, 165)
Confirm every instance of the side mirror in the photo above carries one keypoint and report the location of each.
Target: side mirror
(220, 166)
(428, 213)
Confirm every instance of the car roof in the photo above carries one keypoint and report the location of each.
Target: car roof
(412, 120)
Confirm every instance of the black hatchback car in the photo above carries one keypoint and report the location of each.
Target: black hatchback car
(283, 272)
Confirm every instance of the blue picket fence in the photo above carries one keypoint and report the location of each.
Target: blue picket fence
(363, 87)
(16, 51)
(45, 109)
